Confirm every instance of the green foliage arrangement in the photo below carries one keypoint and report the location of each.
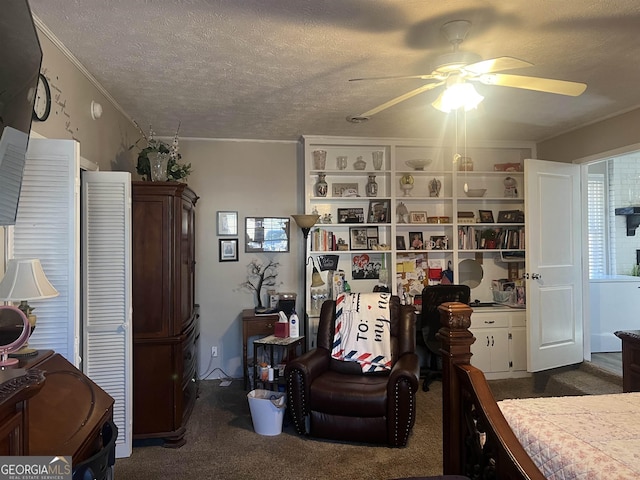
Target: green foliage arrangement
(175, 169)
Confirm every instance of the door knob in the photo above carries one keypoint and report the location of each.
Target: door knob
(536, 276)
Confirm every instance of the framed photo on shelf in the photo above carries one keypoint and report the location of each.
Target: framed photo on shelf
(351, 215)
(379, 211)
(417, 217)
(344, 189)
(400, 243)
(439, 242)
(486, 216)
(415, 241)
(366, 266)
(358, 239)
(228, 250)
(227, 224)
(510, 216)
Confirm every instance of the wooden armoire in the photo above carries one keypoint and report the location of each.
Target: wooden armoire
(165, 316)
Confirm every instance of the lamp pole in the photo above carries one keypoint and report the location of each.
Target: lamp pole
(305, 222)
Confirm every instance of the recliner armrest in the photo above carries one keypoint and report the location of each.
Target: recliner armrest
(407, 367)
(310, 364)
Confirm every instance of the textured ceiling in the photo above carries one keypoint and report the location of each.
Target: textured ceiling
(277, 69)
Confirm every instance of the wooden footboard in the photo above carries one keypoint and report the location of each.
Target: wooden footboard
(478, 442)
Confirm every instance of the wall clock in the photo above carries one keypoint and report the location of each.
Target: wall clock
(42, 103)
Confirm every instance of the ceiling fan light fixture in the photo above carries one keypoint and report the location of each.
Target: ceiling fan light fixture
(458, 95)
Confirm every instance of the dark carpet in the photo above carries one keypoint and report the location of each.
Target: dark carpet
(221, 443)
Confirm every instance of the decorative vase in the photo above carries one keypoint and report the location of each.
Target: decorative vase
(319, 159)
(372, 186)
(321, 187)
(359, 164)
(377, 159)
(158, 166)
(341, 162)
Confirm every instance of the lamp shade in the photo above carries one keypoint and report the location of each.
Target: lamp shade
(306, 221)
(25, 280)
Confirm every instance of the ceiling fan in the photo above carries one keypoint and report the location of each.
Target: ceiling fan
(455, 70)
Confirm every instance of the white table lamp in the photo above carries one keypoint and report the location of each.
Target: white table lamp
(25, 280)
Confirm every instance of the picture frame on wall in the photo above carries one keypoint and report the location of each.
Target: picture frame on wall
(228, 250)
(227, 223)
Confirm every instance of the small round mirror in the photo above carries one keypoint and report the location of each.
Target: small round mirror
(14, 332)
(470, 273)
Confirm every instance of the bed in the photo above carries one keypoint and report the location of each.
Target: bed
(563, 437)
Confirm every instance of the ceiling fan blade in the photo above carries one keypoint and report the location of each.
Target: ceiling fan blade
(549, 85)
(496, 65)
(426, 76)
(399, 99)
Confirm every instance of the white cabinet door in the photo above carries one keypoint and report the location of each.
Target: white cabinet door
(518, 349)
(491, 350)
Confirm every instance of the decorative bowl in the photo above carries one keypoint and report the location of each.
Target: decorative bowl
(476, 192)
(418, 163)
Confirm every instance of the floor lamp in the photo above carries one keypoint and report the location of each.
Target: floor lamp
(305, 222)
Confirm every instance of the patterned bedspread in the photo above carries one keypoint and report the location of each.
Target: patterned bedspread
(584, 437)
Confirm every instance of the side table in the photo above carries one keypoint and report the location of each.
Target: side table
(289, 346)
(253, 325)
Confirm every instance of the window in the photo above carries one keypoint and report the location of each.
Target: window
(597, 225)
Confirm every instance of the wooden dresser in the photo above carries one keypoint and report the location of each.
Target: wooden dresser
(165, 317)
(49, 407)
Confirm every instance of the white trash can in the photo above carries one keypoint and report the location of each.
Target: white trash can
(267, 411)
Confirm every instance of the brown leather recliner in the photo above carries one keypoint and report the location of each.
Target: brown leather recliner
(329, 398)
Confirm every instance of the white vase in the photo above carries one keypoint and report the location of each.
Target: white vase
(158, 166)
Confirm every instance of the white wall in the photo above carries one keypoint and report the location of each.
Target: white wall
(104, 141)
(624, 190)
(254, 178)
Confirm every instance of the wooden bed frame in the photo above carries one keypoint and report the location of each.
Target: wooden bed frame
(477, 440)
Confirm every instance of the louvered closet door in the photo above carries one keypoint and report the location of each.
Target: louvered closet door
(48, 227)
(106, 275)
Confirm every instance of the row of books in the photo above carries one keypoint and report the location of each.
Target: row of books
(473, 238)
(323, 241)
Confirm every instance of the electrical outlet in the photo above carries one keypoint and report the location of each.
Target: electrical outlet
(214, 351)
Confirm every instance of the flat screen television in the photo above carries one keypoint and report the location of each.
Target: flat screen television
(20, 60)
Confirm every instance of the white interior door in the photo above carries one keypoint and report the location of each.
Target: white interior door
(48, 227)
(554, 264)
(106, 274)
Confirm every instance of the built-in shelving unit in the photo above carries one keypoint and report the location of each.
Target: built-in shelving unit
(450, 225)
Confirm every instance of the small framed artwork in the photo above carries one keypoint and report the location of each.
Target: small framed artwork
(372, 238)
(486, 216)
(366, 266)
(358, 239)
(344, 190)
(418, 217)
(228, 249)
(439, 242)
(400, 243)
(415, 241)
(379, 211)
(227, 224)
(510, 216)
(351, 215)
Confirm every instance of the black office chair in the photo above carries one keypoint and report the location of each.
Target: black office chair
(429, 324)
